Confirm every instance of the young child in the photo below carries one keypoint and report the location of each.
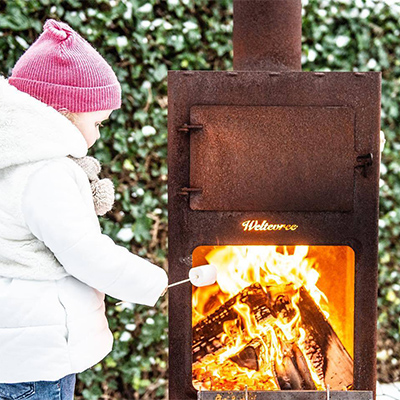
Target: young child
(55, 264)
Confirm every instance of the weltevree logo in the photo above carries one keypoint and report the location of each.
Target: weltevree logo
(254, 225)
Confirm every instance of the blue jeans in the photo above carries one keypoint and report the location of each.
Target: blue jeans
(62, 389)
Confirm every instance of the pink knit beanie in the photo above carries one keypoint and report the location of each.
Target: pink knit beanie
(63, 70)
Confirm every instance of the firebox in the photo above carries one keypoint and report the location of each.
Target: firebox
(278, 317)
(273, 178)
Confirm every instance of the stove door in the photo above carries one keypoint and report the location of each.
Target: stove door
(272, 158)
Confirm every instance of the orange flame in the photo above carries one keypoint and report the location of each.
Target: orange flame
(238, 268)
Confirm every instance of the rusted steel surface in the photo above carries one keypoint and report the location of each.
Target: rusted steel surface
(357, 227)
(267, 35)
(255, 158)
(293, 395)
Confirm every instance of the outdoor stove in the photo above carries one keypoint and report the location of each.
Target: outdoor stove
(273, 178)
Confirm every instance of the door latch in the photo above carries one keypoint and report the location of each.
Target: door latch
(364, 161)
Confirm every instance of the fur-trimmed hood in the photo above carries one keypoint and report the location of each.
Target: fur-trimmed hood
(32, 131)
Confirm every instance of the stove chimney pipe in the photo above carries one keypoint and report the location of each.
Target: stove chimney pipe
(267, 35)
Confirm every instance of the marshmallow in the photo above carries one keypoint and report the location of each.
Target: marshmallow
(204, 275)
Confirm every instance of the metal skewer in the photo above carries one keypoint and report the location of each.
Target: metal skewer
(179, 283)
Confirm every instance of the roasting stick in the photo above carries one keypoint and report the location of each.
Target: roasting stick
(179, 283)
(204, 275)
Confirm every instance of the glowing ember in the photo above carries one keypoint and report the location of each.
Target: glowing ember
(248, 326)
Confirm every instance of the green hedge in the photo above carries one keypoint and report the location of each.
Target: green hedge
(142, 40)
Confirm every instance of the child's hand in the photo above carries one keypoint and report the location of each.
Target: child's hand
(162, 294)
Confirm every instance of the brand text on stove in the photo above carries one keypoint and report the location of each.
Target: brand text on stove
(254, 225)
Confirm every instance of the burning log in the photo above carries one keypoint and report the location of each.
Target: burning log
(292, 374)
(263, 304)
(249, 356)
(323, 347)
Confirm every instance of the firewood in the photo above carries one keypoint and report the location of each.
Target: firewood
(291, 374)
(248, 357)
(264, 303)
(323, 347)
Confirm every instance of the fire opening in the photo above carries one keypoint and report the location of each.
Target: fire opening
(278, 318)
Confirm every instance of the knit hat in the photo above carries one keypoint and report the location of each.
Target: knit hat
(63, 70)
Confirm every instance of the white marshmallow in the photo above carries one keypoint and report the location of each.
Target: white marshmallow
(204, 275)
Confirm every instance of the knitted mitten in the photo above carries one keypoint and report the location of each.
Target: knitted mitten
(102, 189)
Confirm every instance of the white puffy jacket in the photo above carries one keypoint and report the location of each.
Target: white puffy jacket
(55, 264)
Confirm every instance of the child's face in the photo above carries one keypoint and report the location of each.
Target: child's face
(89, 124)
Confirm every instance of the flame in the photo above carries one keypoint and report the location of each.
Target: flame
(278, 339)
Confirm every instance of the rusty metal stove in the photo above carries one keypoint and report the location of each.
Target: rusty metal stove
(267, 155)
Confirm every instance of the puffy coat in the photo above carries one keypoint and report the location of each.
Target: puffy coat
(55, 264)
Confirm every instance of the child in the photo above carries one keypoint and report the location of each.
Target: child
(55, 264)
